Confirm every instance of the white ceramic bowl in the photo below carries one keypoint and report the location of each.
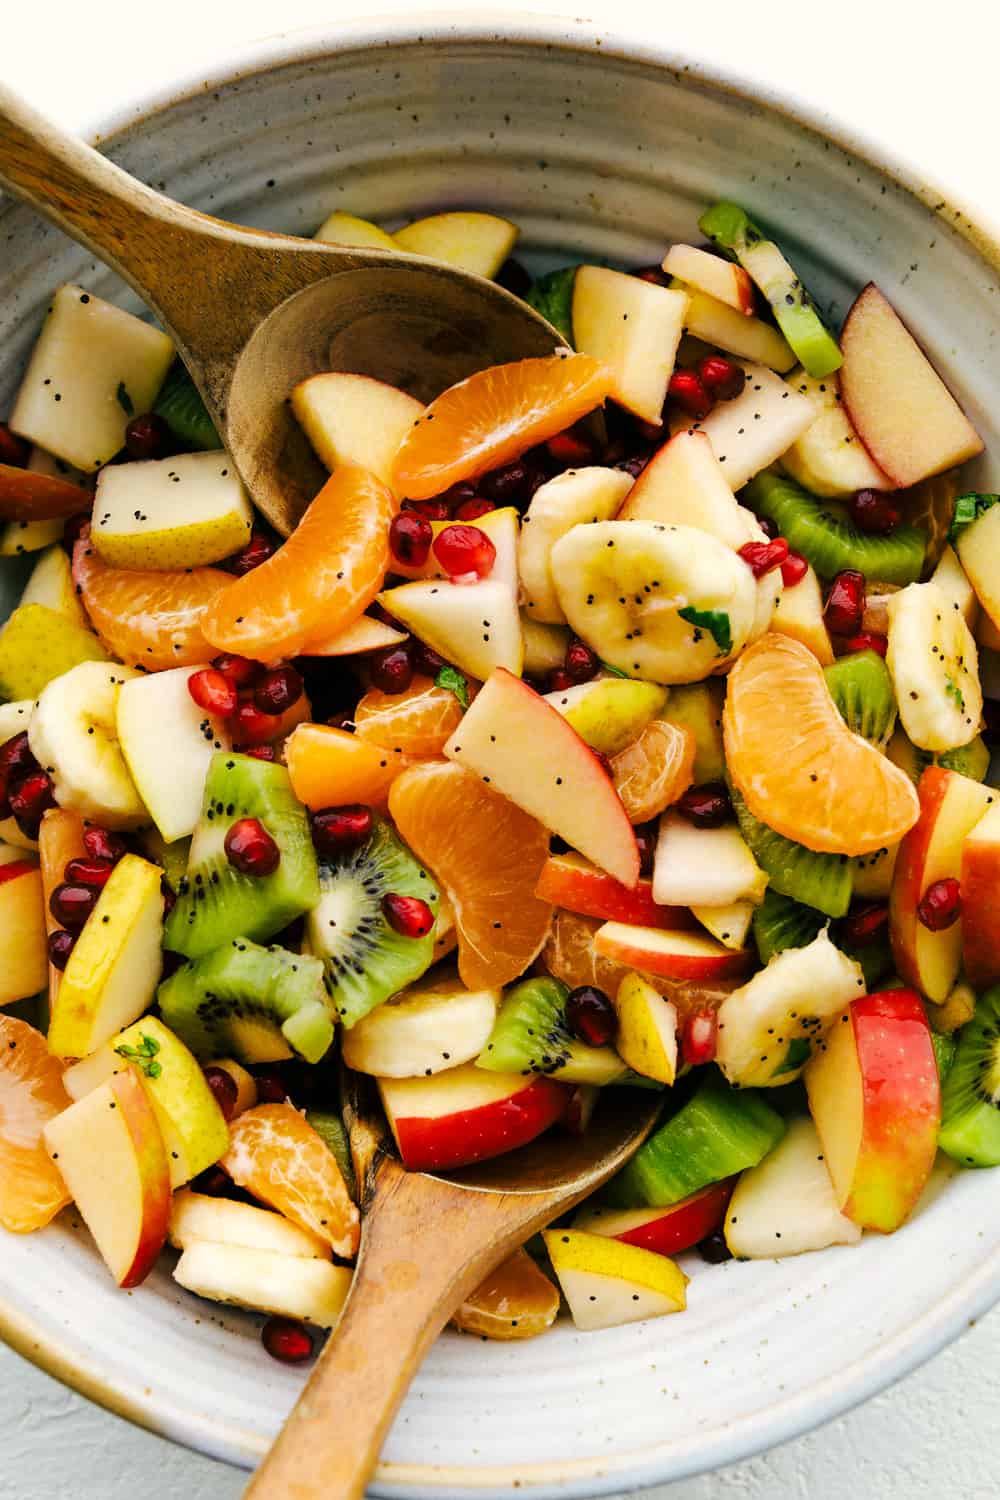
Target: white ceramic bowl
(609, 149)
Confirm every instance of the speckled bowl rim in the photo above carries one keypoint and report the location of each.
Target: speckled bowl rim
(942, 1323)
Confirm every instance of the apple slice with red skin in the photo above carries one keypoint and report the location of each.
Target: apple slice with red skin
(904, 413)
(467, 1115)
(950, 807)
(29, 496)
(875, 1098)
(671, 955)
(522, 747)
(667, 1231)
(23, 951)
(980, 903)
(110, 1152)
(571, 882)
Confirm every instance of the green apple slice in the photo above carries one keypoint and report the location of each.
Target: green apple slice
(181, 512)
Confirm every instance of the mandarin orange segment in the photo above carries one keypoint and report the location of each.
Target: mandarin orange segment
(495, 416)
(60, 839)
(796, 764)
(655, 770)
(148, 619)
(416, 723)
(330, 767)
(31, 1094)
(319, 581)
(278, 1157)
(516, 1301)
(487, 855)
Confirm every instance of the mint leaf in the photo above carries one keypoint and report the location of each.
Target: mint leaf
(452, 679)
(968, 508)
(613, 671)
(954, 691)
(125, 400)
(143, 1055)
(715, 621)
(799, 1052)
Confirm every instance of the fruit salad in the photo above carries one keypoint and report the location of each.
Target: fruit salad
(622, 719)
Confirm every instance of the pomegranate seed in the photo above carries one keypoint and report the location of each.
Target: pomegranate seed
(864, 925)
(845, 604)
(148, 436)
(763, 557)
(29, 800)
(214, 1182)
(336, 830)
(558, 681)
(648, 432)
(391, 670)
(239, 670)
(250, 849)
(471, 510)
(866, 641)
(252, 728)
(262, 752)
(768, 527)
(699, 1034)
(105, 846)
(793, 569)
(464, 549)
(74, 528)
(425, 661)
(713, 1248)
(874, 511)
(940, 905)
(690, 395)
(257, 550)
(16, 758)
(580, 663)
(570, 449)
(224, 1090)
(60, 945)
(278, 690)
(71, 905)
(431, 510)
(13, 450)
(635, 464)
(287, 1341)
(407, 915)
(722, 378)
(654, 274)
(213, 692)
(271, 1086)
(410, 537)
(513, 277)
(706, 806)
(590, 1015)
(90, 872)
(645, 839)
(458, 494)
(513, 484)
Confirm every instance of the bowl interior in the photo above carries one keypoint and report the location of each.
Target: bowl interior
(604, 156)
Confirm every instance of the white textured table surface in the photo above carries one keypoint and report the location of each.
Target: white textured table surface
(928, 89)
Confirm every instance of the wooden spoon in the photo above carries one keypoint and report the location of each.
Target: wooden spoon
(426, 1243)
(253, 313)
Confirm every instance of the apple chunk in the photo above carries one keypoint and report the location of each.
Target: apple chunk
(981, 902)
(704, 866)
(467, 1115)
(634, 328)
(671, 955)
(354, 419)
(607, 1283)
(787, 1204)
(904, 413)
(110, 1152)
(667, 1230)
(709, 273)
(684, 484)
(875, 1096)
(168, 742)
(475, 625)
(23, 951)
(527, 751)
(574, 884)
(475, 242)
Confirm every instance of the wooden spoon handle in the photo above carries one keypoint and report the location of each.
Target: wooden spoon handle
(426, 1245)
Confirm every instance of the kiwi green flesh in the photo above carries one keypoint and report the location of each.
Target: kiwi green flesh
(945, 1048)
(830, 541)
(330, 1129)
(862, 689)
(970, 1102)
(364, 959)
(780, 923)
(255, 1004)
(552, 296)
(823, 881)
(183, 410)
(530, 1035)
(718, 1132)
(972, 760)
(215, 903)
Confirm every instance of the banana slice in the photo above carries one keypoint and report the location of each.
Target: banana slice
(666, 603)
(73, 734)
(934, 664)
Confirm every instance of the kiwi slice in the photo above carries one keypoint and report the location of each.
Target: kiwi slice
(820, 880)
(364, 958)
(255, 1004)
(552, 296)
(875, 958)
(970, 1101)
(972, 760)
(780, 923)
(829, 540)
(862, 689)
(945, 1048)
(530, 1035)
(718, 1132)
(330, 1129)
(214, 901)
(183, 410)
